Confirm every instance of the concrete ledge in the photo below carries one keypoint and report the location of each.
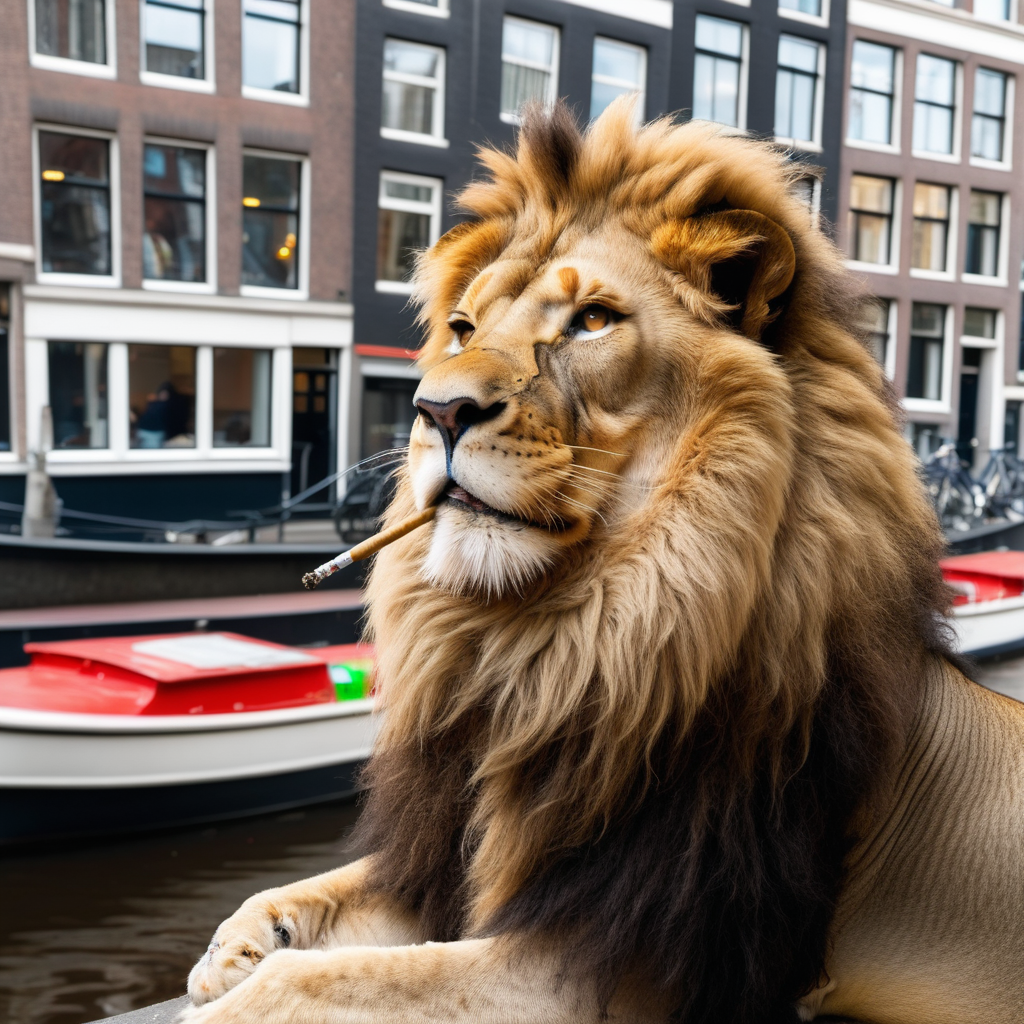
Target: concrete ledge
(159, 1013)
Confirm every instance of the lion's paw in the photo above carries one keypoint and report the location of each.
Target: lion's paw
(238, 947)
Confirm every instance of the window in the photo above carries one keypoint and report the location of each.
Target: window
(925, 439)
(1011, 427)
(618, 68)
(241, 397)
(878, 329)
(270, 221)
(808, 190)
(162, 396)
(717, 70)
(75, 204)
(174, 242)
(983, 218)
(78, 394)
(980, 323)
(173, 32)
(931, 227)
(270, 45)
(934, 103)
(872, 92)
(796, 90)
(73, 29)
(413, 100)
(529, 64)
(992, 10)
(811, 7)
(988, 122)
(5, 380)
(927, 341)
(409, 215)
(436, 7)
(388, 414)
(870, 224)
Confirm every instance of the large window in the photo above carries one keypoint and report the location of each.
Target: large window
(78, 394)
(931, 227)
(872, 92)
(927, 342)
(270, 221)
(618, 68)
(162, 396)
(988, 125)
(413, 100)
(983, 223)
(796, 90)
(270, 45)
(408, 219)
(5, 380)
(529, 64)
(934, 104)
(388, 414)
(74, 204)
(74, 29)
(241, 397)
(992, 10)
(174, 242)
(173, 31)
(878, 329)
(717, 70)
(870, 225)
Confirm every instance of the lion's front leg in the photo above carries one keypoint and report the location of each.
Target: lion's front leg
(478, 981)
(333, 909)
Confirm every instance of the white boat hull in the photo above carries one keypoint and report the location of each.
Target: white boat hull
(990, 627)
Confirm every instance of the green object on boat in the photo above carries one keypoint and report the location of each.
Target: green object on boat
(351, 679)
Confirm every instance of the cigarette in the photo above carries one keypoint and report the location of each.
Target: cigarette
(368, 547)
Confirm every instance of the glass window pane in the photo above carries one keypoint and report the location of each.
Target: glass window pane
(872, 66)
(520, 84)
(992, 10)
(162, 396)
(528, 40)
(982, 250)
(933, 128)
(984, 208)
(931, 201)
(73, 156)
(874, 194)
(174, 41)
(409, 108)
(407, 190)
(619, 60)
(241, 397)
(986, 137)
(283, 10)
(801, 125)
(929, 248)
(601, 94)
(798, 53)
(270, 53)
(267, 181)
(410, 58)
(870, 238)
(934, 82)
(174, 243)
(75, 29)
(400, 237)
(928, 318)
(784, 103)
(388, 414)
(270, 249)
(173, 170)
(812, 7)
(870, 117)
(78, 394)
(989, 92)
(719, 35)
(979, 323)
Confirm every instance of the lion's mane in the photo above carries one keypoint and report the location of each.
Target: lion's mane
(669, 782)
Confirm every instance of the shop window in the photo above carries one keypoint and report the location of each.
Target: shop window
(529, 64)
(75, 204)
(618, 68)
(983, 223)
(271, 33)
(870, 218)
(270, 221)
(162, 396)
(74, 29)
(934, 104)
(718, 70)
(241, 397)
(931, 227)
(173, 32)
(78, 394)
(872, 92)
(408, 220)
(413, 99)
(388, 414)
(927, 344)
(174, 243)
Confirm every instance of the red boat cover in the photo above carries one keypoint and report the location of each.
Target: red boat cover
(189, 673)
(986, 576)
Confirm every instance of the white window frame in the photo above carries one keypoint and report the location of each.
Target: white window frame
(958, 113)
(113, 279)
(1000, 280)
(817, 115)
(68, 64)
(1006, 163)
(943, 405)
(552, 69)
(952, 237)
(258, 291)
(896, 115)
(299, 99)
(209, 286)
(433, 209)
(808, 19)
(744, 61)
(890, 350)
(893, 266)
(204, 84)
(437, 137)
(641, 103)
(440, 11)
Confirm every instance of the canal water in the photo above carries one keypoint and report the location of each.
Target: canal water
(88, 932)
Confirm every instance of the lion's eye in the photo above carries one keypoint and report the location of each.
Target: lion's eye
(462, 329)
(592, 321)
(593, 318)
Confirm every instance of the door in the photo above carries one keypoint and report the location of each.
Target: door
(314, 419)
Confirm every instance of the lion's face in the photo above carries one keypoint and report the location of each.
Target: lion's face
(550, 407)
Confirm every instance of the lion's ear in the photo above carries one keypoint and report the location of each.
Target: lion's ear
(741, 258)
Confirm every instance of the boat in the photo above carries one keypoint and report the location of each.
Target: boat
(117, 734)
(988, 610)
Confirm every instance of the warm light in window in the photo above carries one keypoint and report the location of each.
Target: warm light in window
(289, 240)
(250, 201)
(284, 252)
(53, 175)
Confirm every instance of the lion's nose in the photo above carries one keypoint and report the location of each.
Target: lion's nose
(454, 418)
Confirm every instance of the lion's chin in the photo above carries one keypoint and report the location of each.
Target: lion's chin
(472, 554)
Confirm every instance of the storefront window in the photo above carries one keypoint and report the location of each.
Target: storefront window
(388, 413)
(241, 397)
(270, 222)
(162, 395)
(78, 394)
(174, 243)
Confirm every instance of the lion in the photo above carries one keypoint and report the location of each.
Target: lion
(672, 730)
